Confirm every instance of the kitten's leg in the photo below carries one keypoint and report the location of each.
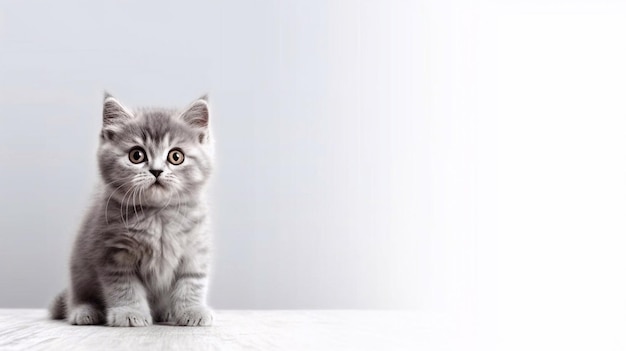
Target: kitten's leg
(85, 314)
(84, 305)
(188, 297)
(124, 294)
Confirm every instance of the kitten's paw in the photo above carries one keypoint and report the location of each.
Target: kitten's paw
(197, 316)
(85, 315)
(128, 317)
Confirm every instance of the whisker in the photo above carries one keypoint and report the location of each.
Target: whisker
(179, 215)
(106, 207)
(134, 205)
(125, 220)
(141, 190)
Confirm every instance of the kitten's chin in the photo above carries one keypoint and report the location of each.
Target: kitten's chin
(161, 195)
(158, 195)
(158, 186)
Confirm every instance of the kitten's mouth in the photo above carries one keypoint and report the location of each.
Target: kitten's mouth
(158, 184)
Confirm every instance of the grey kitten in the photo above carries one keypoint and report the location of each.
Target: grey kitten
(142, 252)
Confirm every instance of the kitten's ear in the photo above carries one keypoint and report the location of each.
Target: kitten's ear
(114, 115)
(197, 114)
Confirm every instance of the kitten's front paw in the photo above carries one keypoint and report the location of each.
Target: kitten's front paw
(197, 316)
(85, 315)
(128, 317)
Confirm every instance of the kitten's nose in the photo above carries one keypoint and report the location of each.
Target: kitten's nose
(156, 172)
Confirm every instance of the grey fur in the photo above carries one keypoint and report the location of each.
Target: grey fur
(142, 253)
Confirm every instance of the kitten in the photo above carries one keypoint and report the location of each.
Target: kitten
(143, 249)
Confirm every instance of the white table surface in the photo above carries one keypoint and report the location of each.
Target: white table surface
(30, 329)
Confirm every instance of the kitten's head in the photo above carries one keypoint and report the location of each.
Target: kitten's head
(155, 156)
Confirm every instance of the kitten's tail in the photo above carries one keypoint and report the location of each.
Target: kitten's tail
(58, 307)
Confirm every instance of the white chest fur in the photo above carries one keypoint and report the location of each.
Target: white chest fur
(162, 245)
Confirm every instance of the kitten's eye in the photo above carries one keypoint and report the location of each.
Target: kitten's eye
(137, 155)
(176, 157)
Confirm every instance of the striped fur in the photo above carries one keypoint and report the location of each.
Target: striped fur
(142, 253)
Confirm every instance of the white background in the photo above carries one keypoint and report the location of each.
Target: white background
(324, 179)
(460, 158)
